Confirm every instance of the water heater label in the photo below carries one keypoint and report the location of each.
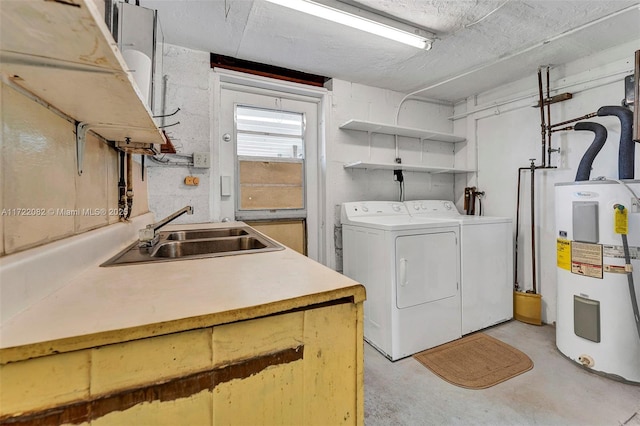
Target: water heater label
(563, 251)
(586, 259)
(621, 222)
(586, 194)
(616, 269)
(618, 251)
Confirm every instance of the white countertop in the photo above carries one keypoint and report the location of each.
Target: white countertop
(119, 303)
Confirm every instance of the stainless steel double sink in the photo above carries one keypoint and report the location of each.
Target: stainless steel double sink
(196, 244)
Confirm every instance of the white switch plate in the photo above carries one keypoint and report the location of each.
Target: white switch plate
(201, 160)
(225, 186)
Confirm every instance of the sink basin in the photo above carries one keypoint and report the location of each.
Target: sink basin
(198, 234)
(219, 245)
(196, 244)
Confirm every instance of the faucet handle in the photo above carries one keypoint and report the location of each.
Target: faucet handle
(146, 234)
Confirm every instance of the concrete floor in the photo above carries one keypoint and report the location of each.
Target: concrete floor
(554, 392)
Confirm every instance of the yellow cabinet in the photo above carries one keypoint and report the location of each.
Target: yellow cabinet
(299, 367)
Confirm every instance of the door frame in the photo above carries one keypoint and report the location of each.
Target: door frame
(232, 80)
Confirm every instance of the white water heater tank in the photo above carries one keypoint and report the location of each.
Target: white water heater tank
(596, 325)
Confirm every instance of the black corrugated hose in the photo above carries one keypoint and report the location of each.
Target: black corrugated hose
(584, 169)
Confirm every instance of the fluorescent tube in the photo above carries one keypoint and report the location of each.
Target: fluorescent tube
(355, 21)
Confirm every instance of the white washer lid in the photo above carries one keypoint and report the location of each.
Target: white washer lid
(446, 210)
(479, 220)
(394, 223)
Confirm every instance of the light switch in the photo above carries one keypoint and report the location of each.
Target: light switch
(225, 186)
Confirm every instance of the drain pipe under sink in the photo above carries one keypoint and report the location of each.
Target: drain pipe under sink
(129, 185)
(122, 188)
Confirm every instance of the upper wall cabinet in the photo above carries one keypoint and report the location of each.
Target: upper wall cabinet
(63, 52)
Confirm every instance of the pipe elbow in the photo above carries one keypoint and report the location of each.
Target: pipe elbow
(623, 114)
(626, 151)
(600, 133)
(598, 129)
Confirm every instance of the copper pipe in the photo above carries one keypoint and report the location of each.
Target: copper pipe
(515, 268)
(548, 121)
(562, 129)
(573, 120)
(542, 121)
(531, 167)
(533, 228)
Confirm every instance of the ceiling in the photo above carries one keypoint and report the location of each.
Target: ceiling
(481, 44)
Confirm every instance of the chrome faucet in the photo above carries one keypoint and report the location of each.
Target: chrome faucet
(149, 236)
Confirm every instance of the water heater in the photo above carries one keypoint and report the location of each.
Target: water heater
(596, 324)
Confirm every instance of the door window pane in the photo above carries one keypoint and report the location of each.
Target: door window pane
(270, 153)
(269, 133)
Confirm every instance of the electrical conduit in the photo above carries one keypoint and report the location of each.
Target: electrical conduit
(632, 289)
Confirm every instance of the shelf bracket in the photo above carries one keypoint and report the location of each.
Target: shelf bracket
(81, 136)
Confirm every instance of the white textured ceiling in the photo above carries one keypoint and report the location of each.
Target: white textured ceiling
(473, 52)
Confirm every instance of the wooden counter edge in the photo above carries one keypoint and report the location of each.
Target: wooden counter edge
(355, 294)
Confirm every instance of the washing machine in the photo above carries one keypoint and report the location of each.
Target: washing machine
(486, 262)
(410, 268)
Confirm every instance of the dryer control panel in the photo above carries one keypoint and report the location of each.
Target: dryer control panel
(432, 208)
(372, 209)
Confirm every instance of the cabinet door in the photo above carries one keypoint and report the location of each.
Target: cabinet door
(426, 268)
(259, 381)
(297, 368)
(291, 233)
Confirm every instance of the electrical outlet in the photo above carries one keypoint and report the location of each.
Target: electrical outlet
(192, 181)
(201, 160)
(397, 175)
(635, 205)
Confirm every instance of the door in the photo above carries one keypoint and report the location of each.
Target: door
(426, 269)
(268, 157)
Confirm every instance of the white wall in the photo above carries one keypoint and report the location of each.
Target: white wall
(506, 136)
(500, 139)
(356, 101)
(190, 87)
(187, 88)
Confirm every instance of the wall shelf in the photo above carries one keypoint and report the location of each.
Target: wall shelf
(64, 54)
(405, 167)
(388, 129)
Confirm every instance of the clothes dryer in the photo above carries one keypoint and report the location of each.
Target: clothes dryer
(486, 257)
(410, 268)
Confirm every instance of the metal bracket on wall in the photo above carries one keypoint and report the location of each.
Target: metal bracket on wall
(636, 97)
(555, 99)
(81, 135)
(135, 147)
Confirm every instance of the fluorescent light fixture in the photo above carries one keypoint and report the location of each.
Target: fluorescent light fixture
(415, 39)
